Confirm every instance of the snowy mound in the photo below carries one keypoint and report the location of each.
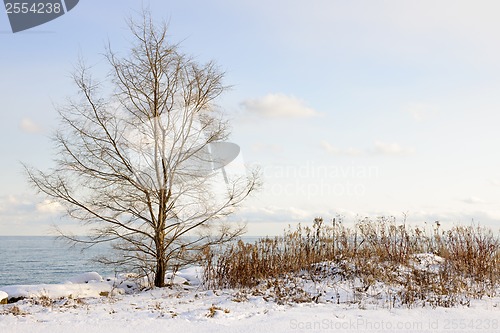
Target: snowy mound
(80, 286)
(191, 275)
(3, 295)
(54, 291)
(427, 262)
(91, 277)
(94, 285)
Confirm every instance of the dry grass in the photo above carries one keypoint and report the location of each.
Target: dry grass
(212, 311)
(370, 253)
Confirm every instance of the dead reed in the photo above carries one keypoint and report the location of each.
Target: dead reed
(418, 265)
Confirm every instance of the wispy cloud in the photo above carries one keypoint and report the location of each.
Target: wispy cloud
(27, 125)
(279, 106)
(25, 214)
(12, 204)
(473, 200)
(421, 112)
(21, 205)
(385, 148)
(49, 207)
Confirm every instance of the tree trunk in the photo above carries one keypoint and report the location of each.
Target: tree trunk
(160, 273)
(161, 267)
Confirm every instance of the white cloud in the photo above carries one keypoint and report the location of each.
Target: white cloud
(329, 148)
(12, 204)
(24, 214)
(384, 148)
(473, 200)
(272, 220)
(29, 126)
(26, 205)
(279, 106)
(49, 207)
(274, 214)
(449, 219)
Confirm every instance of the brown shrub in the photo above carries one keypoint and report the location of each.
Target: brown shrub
(370, 252)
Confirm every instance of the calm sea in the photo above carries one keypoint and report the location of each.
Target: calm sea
(37, 260)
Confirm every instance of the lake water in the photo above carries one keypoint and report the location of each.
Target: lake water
(36, 260)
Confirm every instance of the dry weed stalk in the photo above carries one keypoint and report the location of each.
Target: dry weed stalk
(371, 252)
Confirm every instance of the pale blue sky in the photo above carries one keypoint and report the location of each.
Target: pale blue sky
(352, 107)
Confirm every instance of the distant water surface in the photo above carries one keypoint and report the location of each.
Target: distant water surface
(45, 259)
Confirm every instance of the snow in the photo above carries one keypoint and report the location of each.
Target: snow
(427, 262)
(86, 278)
(92, 284)
(192, 275)
(188, 307)
(54, 291)
(80, 286)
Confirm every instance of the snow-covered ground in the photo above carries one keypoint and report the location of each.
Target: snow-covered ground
(75, 306)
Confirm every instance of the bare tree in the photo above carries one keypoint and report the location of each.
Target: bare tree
(138, 165)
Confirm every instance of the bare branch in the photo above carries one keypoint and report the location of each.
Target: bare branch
(133, 165)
